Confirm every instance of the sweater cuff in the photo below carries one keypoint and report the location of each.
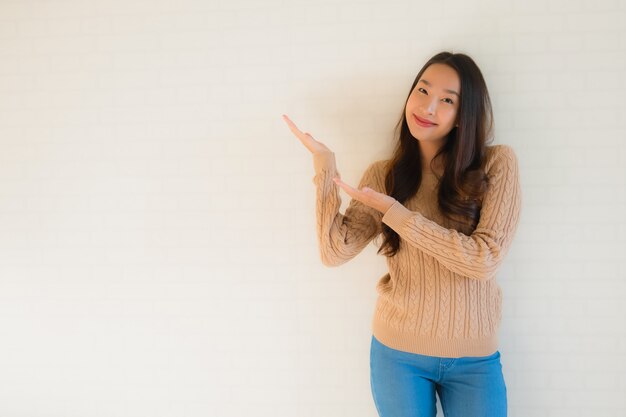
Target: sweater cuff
(323, 160)
(396, 216)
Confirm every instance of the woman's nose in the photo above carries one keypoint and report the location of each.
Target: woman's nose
(431, 106)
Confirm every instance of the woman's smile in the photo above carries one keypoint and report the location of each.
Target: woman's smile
(422, 122)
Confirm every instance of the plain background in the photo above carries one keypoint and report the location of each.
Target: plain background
(158, 254)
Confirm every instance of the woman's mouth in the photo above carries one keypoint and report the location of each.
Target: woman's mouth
(422, 122)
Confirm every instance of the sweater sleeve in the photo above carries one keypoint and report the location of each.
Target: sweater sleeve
(479, 255)
(342, 236)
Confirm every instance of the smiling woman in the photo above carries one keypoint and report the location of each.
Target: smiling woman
(446, 125)
(447, 207)
(432, 109)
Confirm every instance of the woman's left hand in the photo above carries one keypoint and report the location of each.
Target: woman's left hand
(367, 196)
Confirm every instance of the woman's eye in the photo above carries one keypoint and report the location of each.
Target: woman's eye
(422, 90)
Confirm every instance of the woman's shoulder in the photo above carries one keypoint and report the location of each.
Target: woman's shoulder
(499, 154)
(498, 149)
(379, 166)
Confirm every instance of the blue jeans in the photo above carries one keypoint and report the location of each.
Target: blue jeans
(404, 384)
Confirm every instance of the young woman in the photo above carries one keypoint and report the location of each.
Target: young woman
(447, 207)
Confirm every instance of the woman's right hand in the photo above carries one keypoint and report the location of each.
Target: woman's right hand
(306, 139)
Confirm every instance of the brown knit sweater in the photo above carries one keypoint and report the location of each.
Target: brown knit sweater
(440, 296)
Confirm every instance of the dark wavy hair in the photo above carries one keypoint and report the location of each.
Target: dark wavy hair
(464, 181)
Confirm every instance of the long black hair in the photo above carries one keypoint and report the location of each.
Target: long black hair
(464, 181)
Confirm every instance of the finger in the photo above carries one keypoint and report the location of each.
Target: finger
(302, 136)
(292, 125)
(349, 189)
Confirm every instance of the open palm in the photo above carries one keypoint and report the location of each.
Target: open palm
(367, 196)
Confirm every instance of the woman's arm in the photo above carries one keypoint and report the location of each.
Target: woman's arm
(479, 255)
(342, 236)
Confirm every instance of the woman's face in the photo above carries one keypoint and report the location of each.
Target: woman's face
(435, 98)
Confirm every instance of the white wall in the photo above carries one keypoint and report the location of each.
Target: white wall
(158, 254)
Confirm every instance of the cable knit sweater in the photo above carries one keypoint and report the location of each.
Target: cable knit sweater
(440, 296)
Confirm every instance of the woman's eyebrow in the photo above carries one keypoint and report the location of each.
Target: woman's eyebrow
(447, 91)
